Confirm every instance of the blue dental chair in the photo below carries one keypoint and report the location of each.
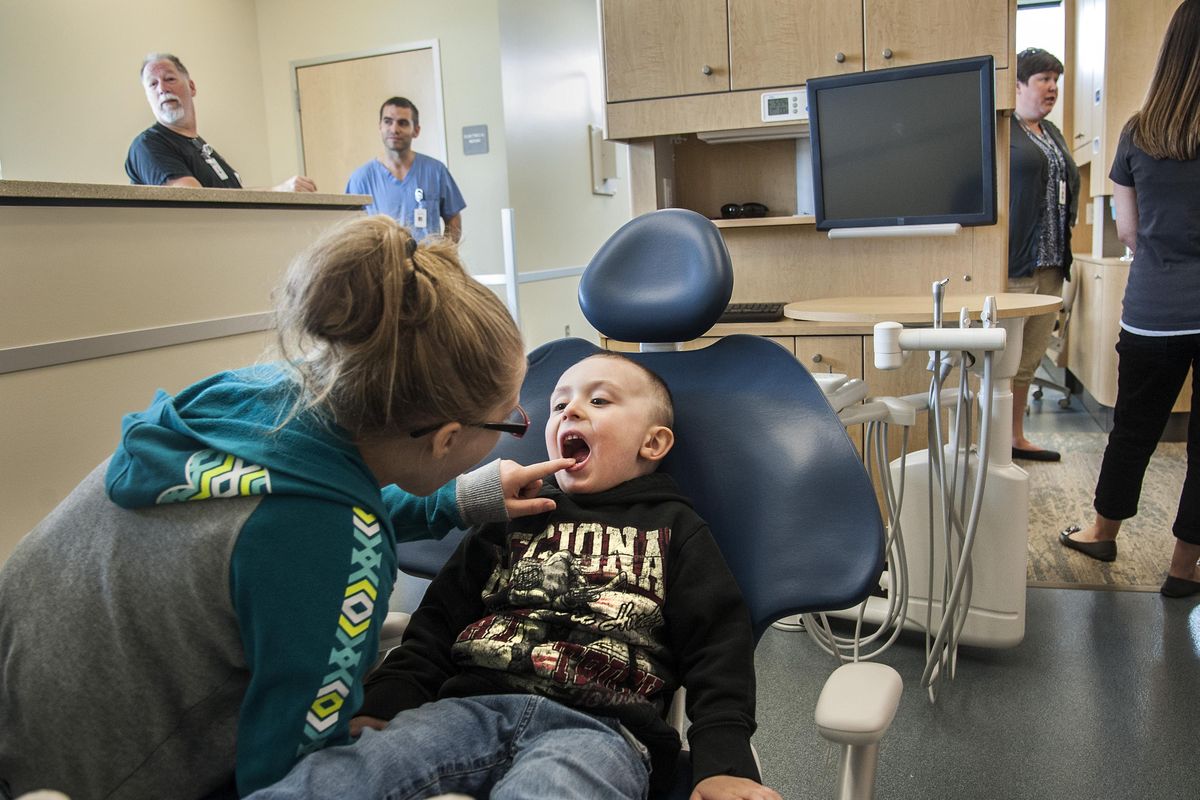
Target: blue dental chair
(758, 449)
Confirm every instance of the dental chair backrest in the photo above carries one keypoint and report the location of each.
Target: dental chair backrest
(757, 446)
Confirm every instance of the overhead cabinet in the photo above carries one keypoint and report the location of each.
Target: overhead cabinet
(782, 42)
(1116, 46)
(665, 48)
(675, 66)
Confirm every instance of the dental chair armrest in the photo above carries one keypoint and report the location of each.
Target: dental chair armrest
(858, 703)
(393, 630)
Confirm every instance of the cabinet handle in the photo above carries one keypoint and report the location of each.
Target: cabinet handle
(817, 359)
(1097, 277)
(706, 69)
(839, 57)
(887, 52)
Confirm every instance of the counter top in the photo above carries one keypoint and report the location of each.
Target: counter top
(1108, 261)
(43, 193)
(790, 327)
(917, 309)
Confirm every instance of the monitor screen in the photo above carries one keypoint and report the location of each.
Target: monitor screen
(905, 146)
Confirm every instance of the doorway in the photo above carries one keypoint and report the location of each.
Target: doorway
(337, 106)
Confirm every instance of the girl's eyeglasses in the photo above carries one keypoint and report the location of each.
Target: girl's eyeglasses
(516, 424)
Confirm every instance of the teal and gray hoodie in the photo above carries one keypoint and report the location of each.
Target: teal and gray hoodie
(208, 599)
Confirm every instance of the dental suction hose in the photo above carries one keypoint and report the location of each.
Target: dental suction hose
(946, 628)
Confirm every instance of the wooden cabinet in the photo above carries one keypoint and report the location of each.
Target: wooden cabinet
(1116, 46)
(841, 354)
(783, 42)
(681, 66)
(901, 32)
(664, 48)
(1087, 79)
(1096, 324)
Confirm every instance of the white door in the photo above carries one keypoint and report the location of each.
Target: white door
(339, 102)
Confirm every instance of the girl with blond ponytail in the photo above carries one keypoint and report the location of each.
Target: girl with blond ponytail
(202, 609)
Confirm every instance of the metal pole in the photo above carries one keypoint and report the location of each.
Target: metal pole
(509, 233)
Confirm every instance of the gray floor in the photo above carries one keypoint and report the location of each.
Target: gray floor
(1101, 700)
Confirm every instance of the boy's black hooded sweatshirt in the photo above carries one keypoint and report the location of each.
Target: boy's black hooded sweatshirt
(606, 604)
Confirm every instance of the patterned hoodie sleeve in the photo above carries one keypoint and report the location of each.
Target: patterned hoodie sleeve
(310, 581)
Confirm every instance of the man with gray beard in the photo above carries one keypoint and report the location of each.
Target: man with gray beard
(171, 152)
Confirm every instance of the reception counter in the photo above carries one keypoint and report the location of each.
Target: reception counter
(110, 292)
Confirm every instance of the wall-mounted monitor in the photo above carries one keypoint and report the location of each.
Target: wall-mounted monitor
(907, 146)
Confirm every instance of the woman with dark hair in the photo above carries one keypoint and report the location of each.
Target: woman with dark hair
(1042, 200)
(1156, 176)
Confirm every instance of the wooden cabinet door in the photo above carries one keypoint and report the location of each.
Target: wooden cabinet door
(786, 42)
(664, 48)
(1088, 67)
(1111, 280)
(1081, 334)
(841, 354)
(934, 30)
(1085, 337)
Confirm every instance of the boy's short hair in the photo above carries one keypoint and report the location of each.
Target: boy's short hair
(664, 403)
(1033, 60)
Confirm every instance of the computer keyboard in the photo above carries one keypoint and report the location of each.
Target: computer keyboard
(752, 312)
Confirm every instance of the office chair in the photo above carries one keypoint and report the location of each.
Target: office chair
(757, 448)
(1058, 340)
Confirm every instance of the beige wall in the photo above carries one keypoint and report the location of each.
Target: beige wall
(72, 104)
(70, 116)
(553, 83)
(107, 277)
(61, 421)
(71, 97)
(468, 37)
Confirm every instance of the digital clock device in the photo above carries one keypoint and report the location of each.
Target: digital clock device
(785, 106)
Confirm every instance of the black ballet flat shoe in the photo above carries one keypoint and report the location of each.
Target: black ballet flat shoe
(1179, 587)
(1101, 551)
(1036, 455)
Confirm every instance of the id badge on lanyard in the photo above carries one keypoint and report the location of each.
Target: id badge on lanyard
(1062, 193)
(216, 167)
(420, 214)
(210, 158)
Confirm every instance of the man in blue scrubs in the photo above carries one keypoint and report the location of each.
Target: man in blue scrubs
(414, 189)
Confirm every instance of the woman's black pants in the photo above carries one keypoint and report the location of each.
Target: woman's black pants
(1150, 373)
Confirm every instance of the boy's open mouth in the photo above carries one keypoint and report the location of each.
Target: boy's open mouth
(572, 445)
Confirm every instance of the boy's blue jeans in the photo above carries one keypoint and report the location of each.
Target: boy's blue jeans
(506, 747)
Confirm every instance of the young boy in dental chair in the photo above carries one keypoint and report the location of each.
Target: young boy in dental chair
(545, 653)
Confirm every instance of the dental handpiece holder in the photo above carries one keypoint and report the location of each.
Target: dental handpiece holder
(957, 511)
(893, 342)
(983, 606)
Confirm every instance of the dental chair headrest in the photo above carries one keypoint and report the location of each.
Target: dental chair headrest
(663, 277)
